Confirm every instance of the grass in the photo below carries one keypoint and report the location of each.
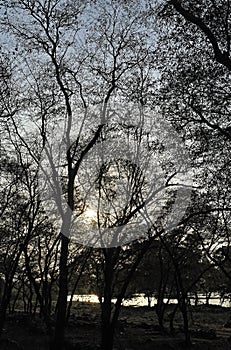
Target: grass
(137, 329)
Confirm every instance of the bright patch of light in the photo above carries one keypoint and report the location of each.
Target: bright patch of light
(90, 214)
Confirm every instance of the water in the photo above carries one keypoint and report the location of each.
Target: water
(141, 300)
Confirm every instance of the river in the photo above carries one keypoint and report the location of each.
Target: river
(141, 300)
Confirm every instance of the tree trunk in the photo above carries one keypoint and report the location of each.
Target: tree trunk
(160, 309)
(185, 318)
(182, 301)
(7, 291)
(207, 297)
(15, 299)
(107, 336)
(5, 301)
(196, 298)
(149, 300)
(107, 332)
(171, 321)
(58, 340)
(3, 309)
(160, 316)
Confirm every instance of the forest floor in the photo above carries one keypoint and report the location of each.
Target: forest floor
(137, 330)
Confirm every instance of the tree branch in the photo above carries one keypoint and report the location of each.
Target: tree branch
(221, 57)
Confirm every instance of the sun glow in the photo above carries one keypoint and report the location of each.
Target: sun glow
(90, 214)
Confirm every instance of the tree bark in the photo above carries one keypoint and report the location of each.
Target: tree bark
(58, 340)
(3, 308)
(107, 332)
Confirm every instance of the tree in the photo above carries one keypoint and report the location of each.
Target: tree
(195, 72)
(58, 94)
(84, 80)
(195, 95)
(19, 221)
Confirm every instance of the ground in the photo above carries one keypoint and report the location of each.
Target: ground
(137, 329)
